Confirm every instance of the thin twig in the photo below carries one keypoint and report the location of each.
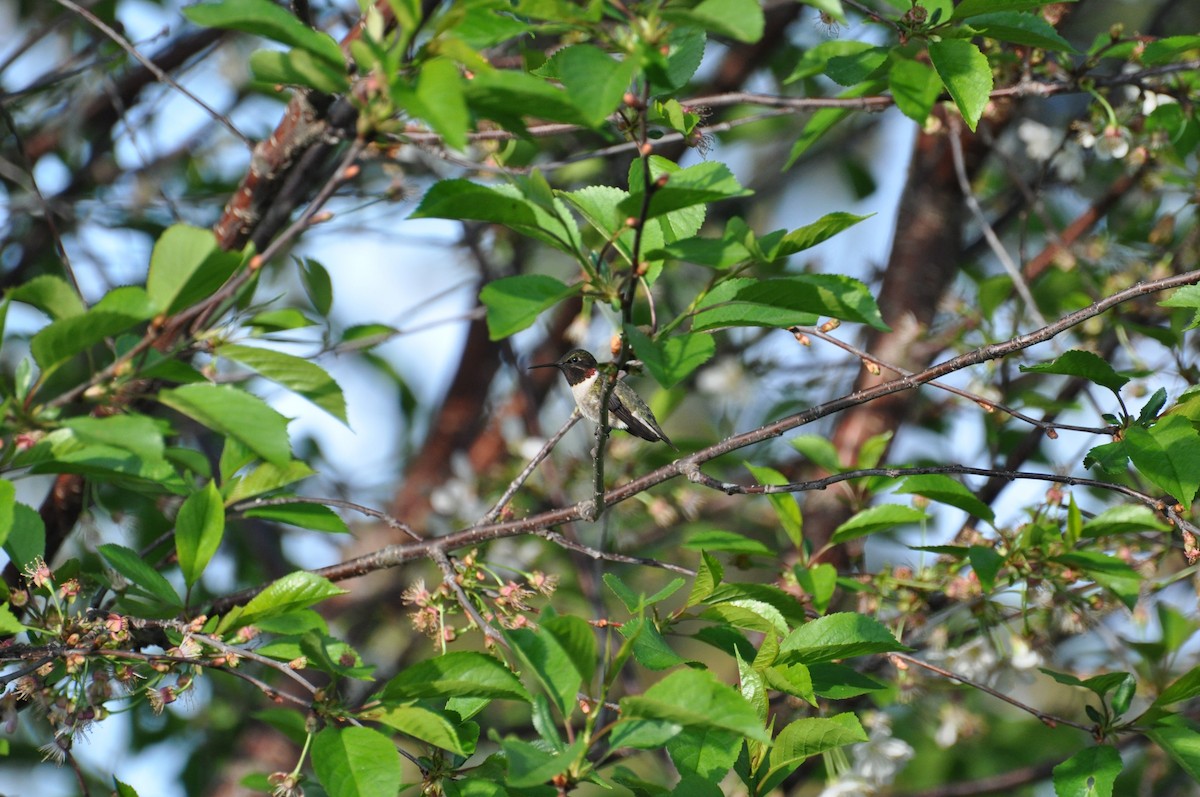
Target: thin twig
(563, 542)
(1048, 719)
(390, 521)
(989, 234)
(152, 67)
(985, 403)
(542, 453)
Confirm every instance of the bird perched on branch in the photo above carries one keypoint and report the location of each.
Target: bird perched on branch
(626, 410)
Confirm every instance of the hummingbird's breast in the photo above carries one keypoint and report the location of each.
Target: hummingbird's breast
(587, 396)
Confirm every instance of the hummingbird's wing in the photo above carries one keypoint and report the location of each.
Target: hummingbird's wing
(635, 425)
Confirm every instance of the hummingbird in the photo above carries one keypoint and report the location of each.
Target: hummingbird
(626, 410)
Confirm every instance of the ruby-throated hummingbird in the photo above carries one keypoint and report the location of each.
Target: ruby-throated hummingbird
(626, 410)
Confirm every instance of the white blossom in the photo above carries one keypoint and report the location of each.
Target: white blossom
(956, 722)
(848, 786)
(1041, 142)
(878, 759)
(974, 661)
(1024, 657)
(1114, 143)
(1152, 101)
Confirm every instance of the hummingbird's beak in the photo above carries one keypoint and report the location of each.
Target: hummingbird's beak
(543, 365)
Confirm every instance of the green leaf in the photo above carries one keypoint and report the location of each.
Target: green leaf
(1089, 773)
(807, 737)
(530, 766)
(1168, 49)
(986, 563)
(839, 682)
(307, 516)
(233, 412)
(199, 527)
(512, 205)
(8, 503)
(685, 51)
(1107, 571)
(1030, 30)
(356, 762)
(9, 624)
(821, 230)
(695, 699)
(818, 450)
(741, 20)
(265, 478)
(819, 581)
(670, 361)
(838, 636)
(719, 253)
(915, 87)
(119, 310)
(785, 505)
(1122, 520)
(69, 452)
(442, 103)
(26, 537)
(595, 81)
(823, 120)
(297, 67)
(264, 18)
(1083, 364)
(704, 753)
(782, 605)
(649, 648)
(51, 294)
(463, 199)
(137, 434)
(514, 303)
(1185, 687)
(966, 74)
(561, 654)
(459, 674)
(303, 376)
(875, 519)
(726, 541)
(186, 266)
(317, 285)
(297, 590)
(438, 728)
(1168, 454)
(945, 490)
(140, 574)
(787, 302)
(1182, 744)
(707, 578)
(280, 320)
(509, 96)
(695, 185)
(791, 679)
(972, 8)
(858, 65)
(1110, 458)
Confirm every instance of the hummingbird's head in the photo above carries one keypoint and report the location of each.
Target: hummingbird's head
(576, 365)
